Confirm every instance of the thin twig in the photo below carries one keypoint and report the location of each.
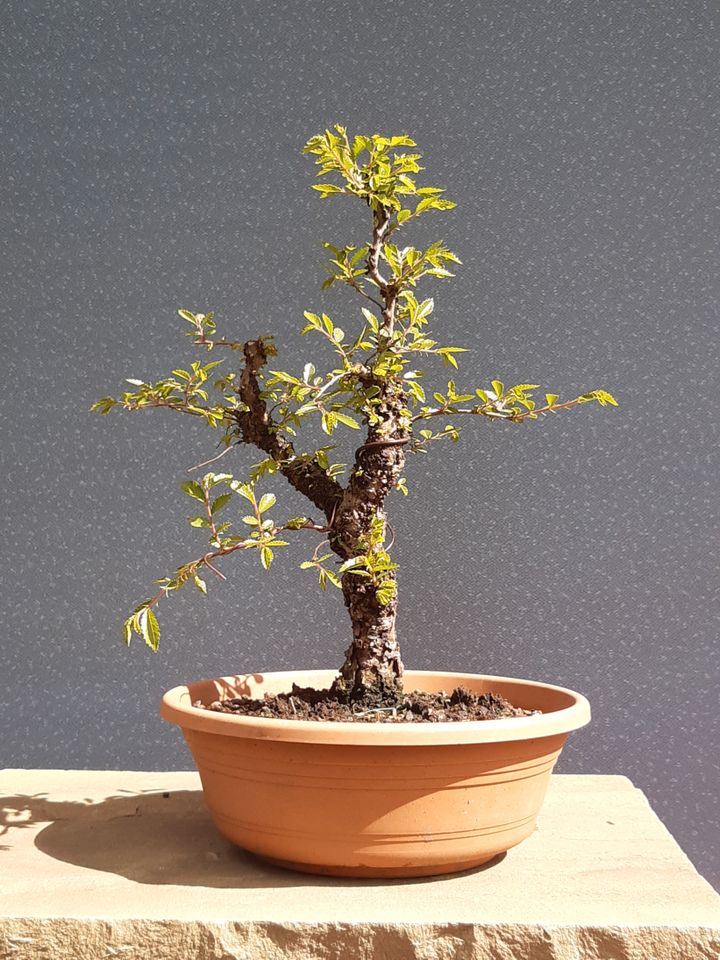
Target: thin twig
(488, 410)
(202, 341)
(215, 570)
(212, 459)
(178, 408)
(356, 286)
(317, 548)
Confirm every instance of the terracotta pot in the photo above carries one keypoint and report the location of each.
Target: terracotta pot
(380, 799)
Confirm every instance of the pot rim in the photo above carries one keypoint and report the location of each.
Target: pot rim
(573, 712)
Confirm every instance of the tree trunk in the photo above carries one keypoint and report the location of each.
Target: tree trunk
(372, 669)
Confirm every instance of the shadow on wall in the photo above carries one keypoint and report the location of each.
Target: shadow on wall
(154, 838)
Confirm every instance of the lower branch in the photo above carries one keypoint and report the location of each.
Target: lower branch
(256, 427)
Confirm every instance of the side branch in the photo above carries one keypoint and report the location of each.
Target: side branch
(497, 411)
(143, 620)
(255, 426)
(381, 226)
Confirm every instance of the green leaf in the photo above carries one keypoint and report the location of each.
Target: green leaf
(326, 188)
(550, 398)
(425, 309)
(329, 421)
(193, 489)
(448, 358)
(220, 502)
(348, 421)
(371, 319)
(244, 489)
(128, 630)
(360, 144)
(285, 377)
(603, 398)
(198, 521)
(147, 621)
(266, 501)
(385, 591)
(212, 479)
(498, 388)
(447, 255)
(103, 406)
(416, 390)
(334, 579)
(296, 523)
(266, 557)
(200, 584)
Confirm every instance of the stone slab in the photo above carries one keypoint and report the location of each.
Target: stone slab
(99, 864)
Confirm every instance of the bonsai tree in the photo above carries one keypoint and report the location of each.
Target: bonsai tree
(374, 388)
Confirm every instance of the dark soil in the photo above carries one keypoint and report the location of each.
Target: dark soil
(416, 707)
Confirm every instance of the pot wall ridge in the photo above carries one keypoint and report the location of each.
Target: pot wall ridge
(563, 710)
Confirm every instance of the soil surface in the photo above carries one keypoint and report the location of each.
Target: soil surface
(415, 707)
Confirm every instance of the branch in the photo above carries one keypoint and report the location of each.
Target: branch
(143, 621)
(195, 410)
(381, 225)
(491, 409)
(203, 324)
(211, 460)
(202, 341)
(352, 282)
(255, 426)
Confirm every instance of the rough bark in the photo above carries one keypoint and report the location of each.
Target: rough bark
(256, 427)
(372, 667)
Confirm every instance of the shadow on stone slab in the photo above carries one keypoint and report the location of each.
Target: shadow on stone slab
(157, 838)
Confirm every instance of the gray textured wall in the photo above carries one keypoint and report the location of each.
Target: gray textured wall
(152, 158)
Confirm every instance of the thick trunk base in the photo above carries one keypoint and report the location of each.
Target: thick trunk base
(369, 694)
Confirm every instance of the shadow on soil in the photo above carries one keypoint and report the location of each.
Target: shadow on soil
(155, 838)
